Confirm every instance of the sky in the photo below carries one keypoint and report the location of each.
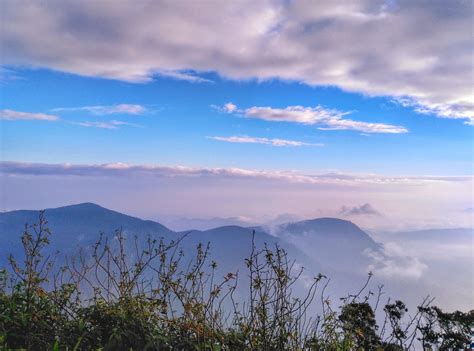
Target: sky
(356, 109)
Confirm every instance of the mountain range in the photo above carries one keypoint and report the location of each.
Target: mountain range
(80, 225)
(331, 246)
(325, 245)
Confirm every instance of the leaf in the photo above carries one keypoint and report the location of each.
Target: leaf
(76, 347)
(56, 345)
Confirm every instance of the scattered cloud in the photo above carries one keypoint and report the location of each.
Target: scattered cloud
(412, 50)
(130, 109)
(11, 115)
(362, 210)
(327, 119)
(254, 140)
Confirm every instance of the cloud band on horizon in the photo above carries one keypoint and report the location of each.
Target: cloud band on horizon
(122, 169)
(200, 191)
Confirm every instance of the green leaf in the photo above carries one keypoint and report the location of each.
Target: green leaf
(76, 346)
(56, 345)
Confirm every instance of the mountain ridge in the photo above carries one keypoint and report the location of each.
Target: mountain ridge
(89, 206)
(80, 224)
(334, 247)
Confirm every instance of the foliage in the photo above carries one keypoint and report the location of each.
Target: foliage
(124, 294)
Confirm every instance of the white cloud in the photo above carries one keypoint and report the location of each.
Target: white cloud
(327, 119)
(365, 209)
(131, 109)
(297, 114)
(230, 107)
(189, 77)
(405, 49)
(460, 111)
(11, 115)
(393, 262)
(253, 140)
(106, 125)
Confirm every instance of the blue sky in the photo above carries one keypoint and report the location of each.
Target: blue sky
(240, 108)
(179, 117)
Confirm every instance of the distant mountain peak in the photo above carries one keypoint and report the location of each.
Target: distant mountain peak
(82, 205)
(324, 223)
(328, 220)
(328, 228)
(231, 229)
(83, 220)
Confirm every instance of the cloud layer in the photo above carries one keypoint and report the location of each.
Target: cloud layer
(122, 169)
(405, 201)
(265, 141)
(417, 52)
(327, 119)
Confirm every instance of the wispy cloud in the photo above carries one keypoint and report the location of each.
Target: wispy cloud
(130, 109)
(11, 115)
(362, 210)
(326, 119)
(254, 140)
(8, 75)
(183, 75)
(310, 42)
(106, 125)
